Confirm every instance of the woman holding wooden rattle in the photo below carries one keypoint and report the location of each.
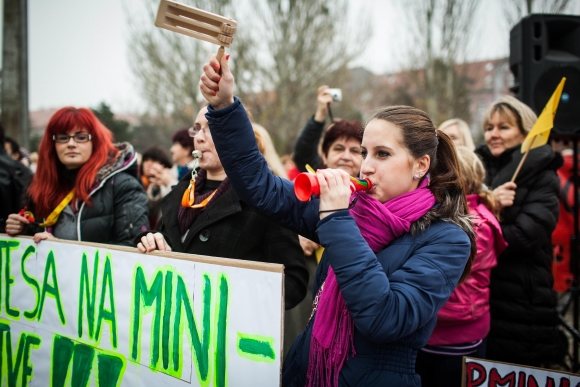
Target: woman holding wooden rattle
(203, 215)
(390, 262)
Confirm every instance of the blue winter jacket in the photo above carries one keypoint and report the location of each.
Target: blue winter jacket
(393, 296)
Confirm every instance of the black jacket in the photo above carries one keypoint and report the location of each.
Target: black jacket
(229, 228)
(118, 210)
(523, 314)
(306, 146)
(14, 180)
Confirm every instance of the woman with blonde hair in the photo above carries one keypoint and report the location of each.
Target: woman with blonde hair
(523, 305)
(463, 322)
(459, 132)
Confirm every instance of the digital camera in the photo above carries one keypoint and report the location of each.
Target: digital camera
(335, 93)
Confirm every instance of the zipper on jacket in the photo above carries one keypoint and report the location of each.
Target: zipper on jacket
(96, 189)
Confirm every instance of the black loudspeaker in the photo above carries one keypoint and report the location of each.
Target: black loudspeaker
(543, 49)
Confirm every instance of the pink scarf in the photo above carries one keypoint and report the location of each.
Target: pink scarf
(333, 331)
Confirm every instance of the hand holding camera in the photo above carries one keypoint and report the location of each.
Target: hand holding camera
(336, 94)
(325, 97)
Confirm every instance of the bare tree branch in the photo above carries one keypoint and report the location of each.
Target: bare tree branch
(514, 10)
(441, 32)
(282, 51)
(309, 43)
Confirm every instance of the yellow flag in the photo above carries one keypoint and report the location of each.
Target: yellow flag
(539, 134)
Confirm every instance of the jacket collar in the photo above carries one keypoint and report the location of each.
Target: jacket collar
(124, 160)
(224, 206)
(502, 168)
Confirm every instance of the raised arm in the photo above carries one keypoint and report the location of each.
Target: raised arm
(245, 166)
(306, 146)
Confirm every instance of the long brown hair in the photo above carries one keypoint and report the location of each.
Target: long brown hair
(421, 138)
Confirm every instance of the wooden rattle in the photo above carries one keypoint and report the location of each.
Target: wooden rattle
(197, 23)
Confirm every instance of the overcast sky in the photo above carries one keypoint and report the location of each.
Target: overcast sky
(78, 54)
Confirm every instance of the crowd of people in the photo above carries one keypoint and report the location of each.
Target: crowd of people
(445, 255)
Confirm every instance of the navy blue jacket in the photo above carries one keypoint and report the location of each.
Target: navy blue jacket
(393, 296)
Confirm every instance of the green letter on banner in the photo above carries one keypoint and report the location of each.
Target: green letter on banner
(149, 295)
(51, 289)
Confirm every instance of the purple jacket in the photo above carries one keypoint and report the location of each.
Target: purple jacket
(465, 317)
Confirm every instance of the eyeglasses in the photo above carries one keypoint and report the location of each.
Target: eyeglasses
(193, 130)
(78, 137)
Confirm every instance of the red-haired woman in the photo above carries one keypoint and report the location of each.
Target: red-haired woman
(85, 188)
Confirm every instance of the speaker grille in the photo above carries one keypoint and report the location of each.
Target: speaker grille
(543, 49)
(567, 118)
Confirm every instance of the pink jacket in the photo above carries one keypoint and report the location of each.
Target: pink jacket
(465, 316)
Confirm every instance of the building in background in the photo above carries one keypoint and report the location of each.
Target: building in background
(491, 80)
(482, 83)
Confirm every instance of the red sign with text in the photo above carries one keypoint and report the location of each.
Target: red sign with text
(484, 373)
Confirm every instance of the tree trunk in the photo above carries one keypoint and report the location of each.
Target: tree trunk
(451, 97)
(432, 103)
(529, 6)
(14, 98)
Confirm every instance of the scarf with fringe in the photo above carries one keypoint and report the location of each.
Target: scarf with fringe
(332, 341)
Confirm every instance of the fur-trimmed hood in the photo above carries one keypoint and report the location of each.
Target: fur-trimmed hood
(125, 160)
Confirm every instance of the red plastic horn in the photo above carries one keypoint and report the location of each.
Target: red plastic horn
(306, 185)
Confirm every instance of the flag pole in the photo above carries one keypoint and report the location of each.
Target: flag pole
(542, 127)
(522, 161)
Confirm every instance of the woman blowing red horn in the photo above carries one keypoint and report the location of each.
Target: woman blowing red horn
(390, 262)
